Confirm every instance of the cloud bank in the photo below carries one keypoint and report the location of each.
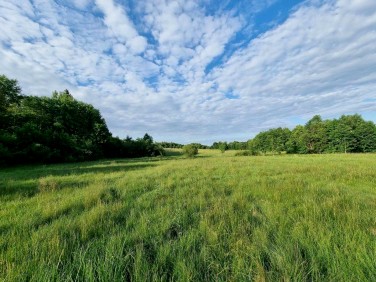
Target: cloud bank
(196, 71)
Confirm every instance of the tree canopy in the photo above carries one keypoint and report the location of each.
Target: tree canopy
(348, 134)
(58, 129)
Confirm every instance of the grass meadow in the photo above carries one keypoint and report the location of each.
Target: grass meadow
(216, 217)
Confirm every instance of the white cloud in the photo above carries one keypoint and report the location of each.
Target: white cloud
(363, 6)
(149, 72)
(186, 35)
(118, 23)
(319, 57)
(81, 4)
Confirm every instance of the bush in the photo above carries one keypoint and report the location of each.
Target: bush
(222, 147)
(158, 150)
(190, 150)
(246, 153)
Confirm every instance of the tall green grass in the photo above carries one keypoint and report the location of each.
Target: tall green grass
(216, 217)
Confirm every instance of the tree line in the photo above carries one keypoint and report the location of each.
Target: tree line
(58, 129)
(171, 145)
(348, 134)
(235, 145)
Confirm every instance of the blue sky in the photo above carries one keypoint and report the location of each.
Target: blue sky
(196, 71)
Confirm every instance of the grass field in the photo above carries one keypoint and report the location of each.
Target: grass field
(216, 217)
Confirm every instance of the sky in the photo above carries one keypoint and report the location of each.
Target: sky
(196, 71)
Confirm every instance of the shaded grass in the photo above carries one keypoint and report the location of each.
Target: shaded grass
(217, 218)
(59, 176)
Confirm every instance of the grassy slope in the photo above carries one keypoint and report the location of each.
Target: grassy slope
(215, 217)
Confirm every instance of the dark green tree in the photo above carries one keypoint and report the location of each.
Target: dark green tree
(273, 140)
(315, 137)
(10, 92)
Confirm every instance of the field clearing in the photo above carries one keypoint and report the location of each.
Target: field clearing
(216, 217)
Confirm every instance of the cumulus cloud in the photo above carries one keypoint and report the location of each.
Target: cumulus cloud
(188, 39)
(195, 70)
(119, 24)
(319, 57)
(81, 4)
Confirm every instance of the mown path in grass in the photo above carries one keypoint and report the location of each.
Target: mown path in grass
(216, 217)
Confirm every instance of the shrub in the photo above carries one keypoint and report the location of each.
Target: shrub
(246, 153)
(223, 147)
(159, 150)
(190, 150)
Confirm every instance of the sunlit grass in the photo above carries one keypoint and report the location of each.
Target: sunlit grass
(215, 217)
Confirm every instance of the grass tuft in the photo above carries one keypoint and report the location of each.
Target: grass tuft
(48, 184)
(110, 195)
